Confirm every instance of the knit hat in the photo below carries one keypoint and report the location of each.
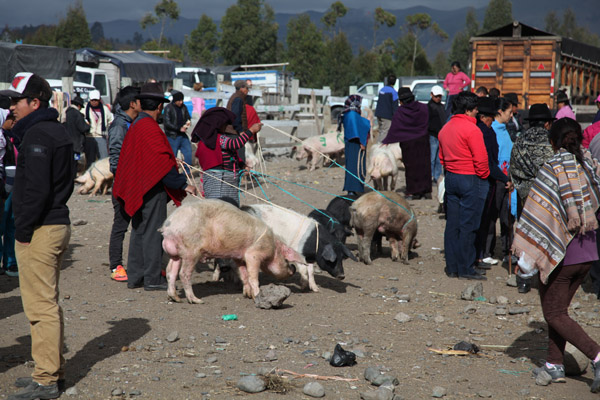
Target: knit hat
(29, 85)
(177, 95)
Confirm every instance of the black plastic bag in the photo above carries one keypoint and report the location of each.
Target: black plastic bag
(466, 346)
(342, 358)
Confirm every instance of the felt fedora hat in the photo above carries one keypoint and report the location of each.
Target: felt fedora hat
(152, 91)
(539, 112)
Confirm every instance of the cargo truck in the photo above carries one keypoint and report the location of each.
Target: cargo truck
(535, 65)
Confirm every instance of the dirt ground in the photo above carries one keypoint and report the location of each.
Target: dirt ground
(116, 338)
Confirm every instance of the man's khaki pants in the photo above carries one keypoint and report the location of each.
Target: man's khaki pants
(39, 270)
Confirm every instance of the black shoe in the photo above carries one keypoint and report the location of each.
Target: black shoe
(427, 196)
(480, 271)
(160, 286)
(440, 209)
(36, 391)
(25, 381)
(134, 285)
(483, 265)
(595, 387)
(450, 274)
(474, 277)
(524, 287)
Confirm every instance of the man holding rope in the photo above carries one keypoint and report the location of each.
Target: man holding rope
(146, 178)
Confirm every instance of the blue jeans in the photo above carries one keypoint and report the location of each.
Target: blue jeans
(436, 165)
(183, 144)
(465, 197)
(7, 232)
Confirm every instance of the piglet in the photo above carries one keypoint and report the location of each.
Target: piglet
(373, 213)
(205, 229)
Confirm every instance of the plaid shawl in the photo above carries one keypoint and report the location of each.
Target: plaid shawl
(562, 203)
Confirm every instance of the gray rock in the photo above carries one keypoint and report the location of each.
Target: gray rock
(543, 378)
(438, 319)
(79, 222)
(524, 392)
(402, 318)
(501, 311)
(382, 379)
(200, 375)
(271, 355)
(472, 291)
(371, 373)
(326, 355)
(272, 296)
(211, 360)
(220, 340)
(484, 394)
(379, 394)
(135, 392)
(470, 309)
(251, 384)
(575, 361)
(502, 300)
(518, 310)
(403, 297)
(438, 392)
(173, 337)
(72, 391)
(117, 392)
(512, 280)
(314, 389)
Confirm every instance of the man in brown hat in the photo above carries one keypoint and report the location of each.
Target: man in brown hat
(531, 150)
(43, 185)
(146, 178)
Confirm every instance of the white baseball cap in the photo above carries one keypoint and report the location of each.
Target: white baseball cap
(437, 90)
(94, 95)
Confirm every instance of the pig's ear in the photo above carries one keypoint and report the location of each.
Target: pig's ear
(329, 253)
(349, 254)
(291, 255)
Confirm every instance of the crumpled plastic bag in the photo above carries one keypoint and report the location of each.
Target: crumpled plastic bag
(527, 268)
(466, 346)
(341, 357)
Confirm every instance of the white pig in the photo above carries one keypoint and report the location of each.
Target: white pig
(206, 229)
(382, 167)
(97, 177)
(331, 144)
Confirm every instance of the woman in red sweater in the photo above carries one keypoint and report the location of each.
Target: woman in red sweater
(464, 158)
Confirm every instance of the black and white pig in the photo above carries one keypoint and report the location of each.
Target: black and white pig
(309, 238)
(205, 229)
(341, 232)
(373, 213)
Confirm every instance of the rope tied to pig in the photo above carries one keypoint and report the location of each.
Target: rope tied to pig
(408, 211)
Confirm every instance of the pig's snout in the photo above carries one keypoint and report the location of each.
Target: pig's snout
(341, 276)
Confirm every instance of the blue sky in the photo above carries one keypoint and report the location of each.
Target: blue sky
(38, 12)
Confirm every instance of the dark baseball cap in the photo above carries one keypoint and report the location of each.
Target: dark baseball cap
(28, 85)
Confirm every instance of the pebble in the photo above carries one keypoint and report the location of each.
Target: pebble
(72, 391)
(524, 392)
(472, 291)
(173, 337)
(117, 392)
(220, 340)
(271, 355)
(403, 297)
(518, 310)
(543, 378)
(314, 389)
(470, 309)
(251, 384)
(288, 340)
(135, 392)
(211, 360)
(501, 311)
(326, 355)
(502, 300)
(371, 373)
(484, 394)
(402, 317)
(200, 375)
(438, 392)
(382, 379)
(438, 319)
(79, 222)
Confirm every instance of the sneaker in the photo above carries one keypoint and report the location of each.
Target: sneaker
(25, 381)
(36, 391)
(12, 270)
(595, 388)
(490, 260)
(119, 274)
(557, 372)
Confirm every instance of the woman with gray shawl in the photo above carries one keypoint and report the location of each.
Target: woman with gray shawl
(556, 235)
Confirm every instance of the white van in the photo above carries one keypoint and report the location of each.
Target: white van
(97, 78)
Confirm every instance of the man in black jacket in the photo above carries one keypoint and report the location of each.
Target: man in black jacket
(77, 128)
(43, 185)
(437, 119)
(177, 121)
(387, 104)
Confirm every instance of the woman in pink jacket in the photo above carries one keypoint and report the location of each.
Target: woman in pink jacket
(456, 81)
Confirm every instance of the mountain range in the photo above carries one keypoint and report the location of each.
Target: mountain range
(358, 23)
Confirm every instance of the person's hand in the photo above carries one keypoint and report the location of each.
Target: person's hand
(191, 190)
(362, 146)
(255, 128)
(509, 186)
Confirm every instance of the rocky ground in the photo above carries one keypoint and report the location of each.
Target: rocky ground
(124, 343)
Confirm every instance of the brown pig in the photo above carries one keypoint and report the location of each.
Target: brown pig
(374, 213)
(206, 229)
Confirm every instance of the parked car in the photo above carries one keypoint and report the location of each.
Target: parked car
(421, 88)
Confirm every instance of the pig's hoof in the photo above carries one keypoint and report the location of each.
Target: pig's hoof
(174, 298)
(314, 288)
(194, 300)
(368, 261)
(405, 262)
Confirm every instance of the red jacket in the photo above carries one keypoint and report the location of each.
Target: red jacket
(462, 150)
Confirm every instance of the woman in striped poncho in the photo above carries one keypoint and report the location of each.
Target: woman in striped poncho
(556, 235)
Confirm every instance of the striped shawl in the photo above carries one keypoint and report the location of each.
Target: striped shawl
(562, 203)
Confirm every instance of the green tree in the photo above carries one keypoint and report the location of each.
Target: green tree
(497, 14)
(382, 17)
(403, 56)
(570, 28)
(459, 50)
(366, 67)
(552, 22)
(417, 24)
(439, 64)
(45, 35)
(163, 11)
(305, 51)
(73, 31)
(336, 11)
(202, 42)
(174, 51)
(97, 32)
(338, 62)
(249, 33)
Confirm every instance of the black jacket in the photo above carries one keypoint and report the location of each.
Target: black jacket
(45, 173)
(437, 118)
(170, 121)
(77, 127)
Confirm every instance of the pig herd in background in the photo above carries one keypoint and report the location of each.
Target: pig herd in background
(280, 242)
